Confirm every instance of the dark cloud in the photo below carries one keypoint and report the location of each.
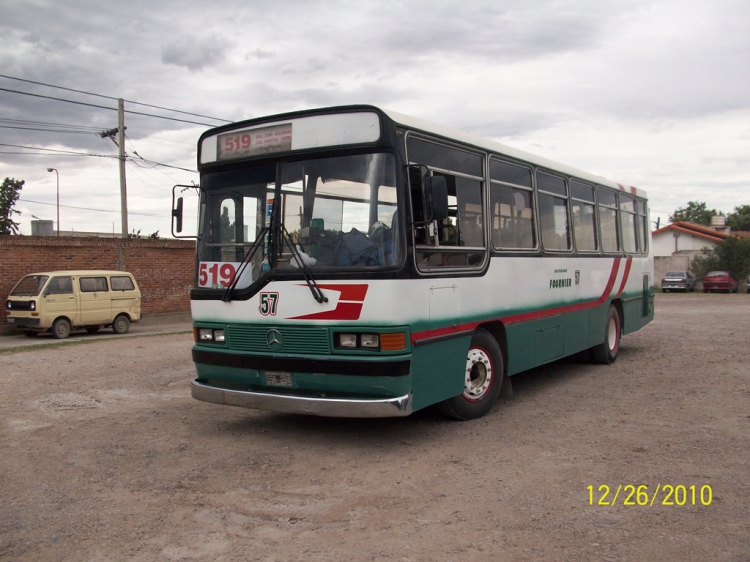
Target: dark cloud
(195, 54)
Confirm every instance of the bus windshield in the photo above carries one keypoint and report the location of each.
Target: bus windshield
(338, 213)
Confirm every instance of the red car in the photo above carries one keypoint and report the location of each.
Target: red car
(719, 281)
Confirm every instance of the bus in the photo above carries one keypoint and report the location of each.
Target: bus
(356, 262)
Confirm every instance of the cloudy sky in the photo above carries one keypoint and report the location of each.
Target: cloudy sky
(653, 93)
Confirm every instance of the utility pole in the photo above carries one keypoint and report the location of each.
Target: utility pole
(123, 191)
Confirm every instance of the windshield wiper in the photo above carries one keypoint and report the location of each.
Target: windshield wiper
(262, 280)
(304, 267)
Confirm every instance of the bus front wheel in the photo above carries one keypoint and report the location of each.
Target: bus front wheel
(483, 378)
(606, 352)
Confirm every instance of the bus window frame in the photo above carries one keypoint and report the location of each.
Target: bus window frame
(571, 247)
(621, 213)
(534, 205)
(598, 249)
(616, 208)
(441, 269)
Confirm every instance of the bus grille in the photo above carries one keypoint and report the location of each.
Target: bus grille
(295, 339)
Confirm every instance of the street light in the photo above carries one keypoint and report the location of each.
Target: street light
(58, 197)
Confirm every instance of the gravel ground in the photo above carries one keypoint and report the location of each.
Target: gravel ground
(104, 456)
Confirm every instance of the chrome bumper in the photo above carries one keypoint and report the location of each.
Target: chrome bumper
(331, 407)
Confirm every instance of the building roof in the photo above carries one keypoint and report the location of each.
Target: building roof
(697, 230)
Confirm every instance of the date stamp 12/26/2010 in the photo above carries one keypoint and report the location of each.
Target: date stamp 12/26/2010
(670, 495)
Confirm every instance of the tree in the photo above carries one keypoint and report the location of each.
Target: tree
(8, 197)
(695, 212)
(731, 254)
(740, 219)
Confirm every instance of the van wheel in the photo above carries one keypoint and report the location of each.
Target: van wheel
(483, 378)
(61, 329)
(121, 325)
(606, 352)
(92, 329)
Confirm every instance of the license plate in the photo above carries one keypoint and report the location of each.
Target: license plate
(274, 378)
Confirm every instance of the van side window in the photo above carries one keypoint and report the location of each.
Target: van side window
(60, 286)
(93, 284)
(122, 283)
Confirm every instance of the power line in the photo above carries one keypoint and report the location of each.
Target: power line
(105, 107)
(89, 209)
(47, 130)
(27, 122)
(56, 151)
(112, 98)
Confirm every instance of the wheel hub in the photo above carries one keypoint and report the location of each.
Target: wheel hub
(478, 374)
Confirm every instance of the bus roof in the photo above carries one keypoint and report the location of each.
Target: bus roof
(493, 146)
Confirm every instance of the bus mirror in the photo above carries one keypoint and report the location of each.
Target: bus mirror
(436, 198)
(182, 208)
(177, 216)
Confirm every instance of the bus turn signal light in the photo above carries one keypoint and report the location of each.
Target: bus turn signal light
(393, 342)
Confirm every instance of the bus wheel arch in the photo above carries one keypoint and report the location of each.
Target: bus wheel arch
(483, 379)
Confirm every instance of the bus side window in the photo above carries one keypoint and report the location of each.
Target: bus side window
(459, 240)
(584, 217)
(607, 202)
(642, 226)
(627, 217)
(553, 211)
(511, 206)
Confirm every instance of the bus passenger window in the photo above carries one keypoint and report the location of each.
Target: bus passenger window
(584, 218)
(511, 206)
(608, 220)
(553, 212)
(627, 216)
(642, 226)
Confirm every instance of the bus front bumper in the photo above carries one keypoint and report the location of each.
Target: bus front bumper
(330, 407)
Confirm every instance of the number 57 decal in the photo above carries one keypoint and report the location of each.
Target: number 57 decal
(269, 303)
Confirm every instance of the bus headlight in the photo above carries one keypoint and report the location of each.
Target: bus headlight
(209, 335)
(348, 340)
(371, 341)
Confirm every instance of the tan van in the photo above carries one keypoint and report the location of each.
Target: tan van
(61, 301)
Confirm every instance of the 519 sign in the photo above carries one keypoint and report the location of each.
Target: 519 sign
(216, 273)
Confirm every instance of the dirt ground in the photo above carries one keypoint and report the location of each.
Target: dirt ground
(104, 456)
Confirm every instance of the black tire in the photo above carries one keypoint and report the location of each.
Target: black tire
(606, 352)
(92, 329)
(121, 325)
(61, 329)
(30, 333)
(483, 379)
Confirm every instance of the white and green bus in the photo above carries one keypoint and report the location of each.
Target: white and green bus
(355, 262)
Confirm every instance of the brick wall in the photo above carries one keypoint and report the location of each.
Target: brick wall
(162, 268)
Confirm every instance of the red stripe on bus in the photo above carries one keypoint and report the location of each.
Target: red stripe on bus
(351, 310)
(625, 275)
(348, 292)
(526, 316)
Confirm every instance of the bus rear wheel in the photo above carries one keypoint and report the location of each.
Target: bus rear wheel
(606, 352)
(483, 378)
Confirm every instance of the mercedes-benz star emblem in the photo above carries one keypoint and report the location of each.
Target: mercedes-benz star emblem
(274, 339)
